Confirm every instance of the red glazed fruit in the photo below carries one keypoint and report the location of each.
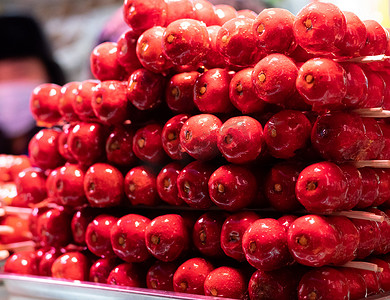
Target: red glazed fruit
(24, 263)
(145, 89)
(240, 139)
(274, 77)
(71, 266)
(355, 186)
(265, 245)
(166, 184)
(179, 92)
(31, 186)
(170, 137)
(383, 246)
(140, 186)
(370, 190)
(53, 227)
(190, 276)
(104, 62)
(44, 104)
(160, 276)
(211, 91)
(376, 89)
(149, 50)
(192, 184)
(97, 236)
(69, 186)
(206, 234)
(232, 232)
(63, 146)
(369, 237)
(82, 103)
(322, 187)
(357, 285)
(86, 142)
(198, 136)
(80, 222)
(119, 146)
(287, 220)
(204, 11)
(166, 237)
(280, 186)
(374, 139)
(384, 275)
(357, 86)
(213, 58)
(128, 238)
(372, 281)
(47, 260)
(101, 269)
(242, 93)
(319, 26)
(237, 43)
(103, 185)
(273, 29)
(324, 283)
(68, 96)
(126, 53)
(232, 187)
(109, 102)
(126, 274)
(322, 82)
(286, 133)
(376, 39)
(185, 42)
(224, 13)
(313, 241)
(384, 187)
(225, 282)
(141, 15)
(147, 144)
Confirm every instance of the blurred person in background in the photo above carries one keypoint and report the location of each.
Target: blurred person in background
(26, 61)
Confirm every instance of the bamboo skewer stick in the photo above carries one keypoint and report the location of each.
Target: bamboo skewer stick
(363, 266)
(363, 215)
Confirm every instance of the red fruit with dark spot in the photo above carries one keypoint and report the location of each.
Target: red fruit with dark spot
(149, 50)
(97, 236)
(205, 12)
(179, 92)
(44, 103)
(279, 284)
(147, 144)
(370, 191)
(190, 276)
(167, 237)
(86, 142)
(280, 186)
(265, 245)
(23, 263)
(104, 62)
(185, 41)
(170, 137)
(355, 36)
(140, 186)
(355, 186)
(237, 43)
(286, 133)
(240, 139)
(232, 187)
(166, 184)
(226, 282)
(103, 185)
(323, 283)
(273, 29)
(180, 9)
(126, 54)
(68, 96)
(53, 227)
(357, 285)
(141, 15)
(31, 186)
(69, 186)
(274, 78)
(369, 237)
(128, 238)
(357, 86)
(224, 13)
(242, 93)
(322, 187)
(322, 82)
(198, 136)
(319, 26)
(101, 269)
(160, 276)
(232, 232)
(126, 274)
(192, 184)
(376, 39)
(313, 241)
(119, 146)
(80, 222)
(145, 89)
(211, 91)
(206, 234)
